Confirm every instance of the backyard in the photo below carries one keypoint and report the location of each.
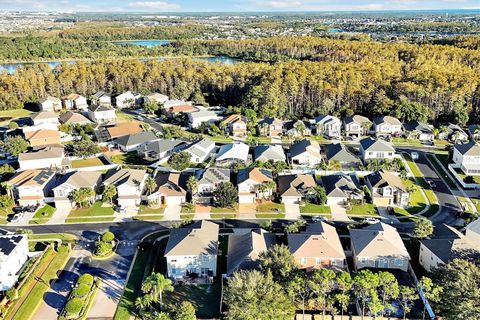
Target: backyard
(89, 162)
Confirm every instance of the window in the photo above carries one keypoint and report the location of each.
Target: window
(318, 261)
(303, 260)
(398, 262)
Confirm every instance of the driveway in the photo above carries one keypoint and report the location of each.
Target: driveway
(172, 212)
(61, 213)
(292, 211)
(339, 213)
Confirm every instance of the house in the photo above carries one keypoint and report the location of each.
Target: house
(13, 255)
(155, 97)
(44, 157)
(387, 189)
(101, 97)
(356, 126)
(177, 109)
(195, 119)
(249, 180)
(161, 149)
(419, 130)
(72, 181)
(270, 127)
(387, 126)
(170, 189)
(74, 119)
(30, 187)
(200, 150)
(474, 131)
(130, 184)
(372, 149)
(127, 99)
(446, 244)
(294, 189)
(193, 250)
(453, 133)
(232, 153)
(245, 249)
(338, 153)
(74, 101)
(317, 247)
(342, 188)
(171, 104)
(42, 137)
(328, 126)
(208, 181)
(122, 129)
(297, 129)
(236, 125)
(133, 142)
(44, 117)
(102, 113)
(50, 103)
(467, 158)
(269, 153)
(378, 246)
(305, 153)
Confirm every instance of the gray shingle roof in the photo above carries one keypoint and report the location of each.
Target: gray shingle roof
(163, 145)
(370, 144)
(341, 185)
(201, 238)
(136, 139)
(213, 175)
(269, 153)
(470, 148)
(338, 152)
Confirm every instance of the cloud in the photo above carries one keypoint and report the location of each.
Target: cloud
(153, 5)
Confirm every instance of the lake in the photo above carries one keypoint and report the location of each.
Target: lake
(11, 67)
(143, 43)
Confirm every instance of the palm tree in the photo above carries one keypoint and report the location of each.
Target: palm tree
(109, 191)
(155, 285)
(150, 185)
(192, 185)
(142, 303)
(83, 196)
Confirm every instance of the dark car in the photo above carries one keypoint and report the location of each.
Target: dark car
(18, 209)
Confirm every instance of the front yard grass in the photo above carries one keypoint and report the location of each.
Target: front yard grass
(94, 219)
(462, 176)
(90, 162)
(146, 210)
(214, 209)
(315, 208)
(187, 208)
(270, 215)
(46, 211)
(366, 209)
(97, 209)
(148, 217)
(223, 215)
(268, 206)
(46, 236)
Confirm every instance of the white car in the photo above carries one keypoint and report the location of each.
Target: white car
(371, 220)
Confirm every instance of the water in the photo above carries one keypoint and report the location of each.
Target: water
(144, 43)
(11, 67)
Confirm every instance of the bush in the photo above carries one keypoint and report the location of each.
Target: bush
(469, 179)
(108, 236)
(81, 291)
(103, 248)
(62, 249)
(85, 278)
(74, 306)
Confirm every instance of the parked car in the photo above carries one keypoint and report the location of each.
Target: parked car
(318, 219)
(371, 220)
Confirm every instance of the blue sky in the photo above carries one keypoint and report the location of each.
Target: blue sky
(233, 5)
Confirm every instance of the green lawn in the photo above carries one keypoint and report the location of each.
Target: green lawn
(187, 208)
(417, 200)
(221, 139)
(90, 162)
(97, 219)
(61, 236)
(270, 215)
(145, 210)
(148, 217)
(128, 158)
(13, 114)
(315, 208)
(187, 216)
(366, 209)
(46, 211)
(205, 298)
(400, 140)
(224, 210)
(269, 206)
(442, 169)
(96, 210)
(223, 215)
(476, 179)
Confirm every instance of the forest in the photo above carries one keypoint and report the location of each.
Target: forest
(298, 77)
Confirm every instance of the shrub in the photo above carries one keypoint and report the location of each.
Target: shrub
(469, 179)
(85, 278)
(108, 236)
(74, 306)
(103, 248)
(62, 249)
(81, 291)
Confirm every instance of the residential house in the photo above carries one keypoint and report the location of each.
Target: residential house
(176, 109)
(167, 105)
(372, 149)
(467, 158)
(73, 118)
(249, 180)
(31, 187)
(244, 250)
(453, 133)
(378, 246)
(43, 157)
(269, 153)
(317, 247)
(341, 189)
(75, 101)
(200, 150)
(101, 97)
(44, 117)
(208, 181)
(130, 184)
(387, 126)
(294, 189)
(161, 150)
(270, 127)
(42, 137)
(72, 181)
(122, 129)
(236, 125)
(170, 189)
(50, 103)
(155, 97)
(133, 142)
(13, 255)
(356, 126)
(474, 131)
(306, 153)
(102, 113)
(328, 126)
(127, 99)
(337, 153)
(193, 250)
(195, 119)
(446, 244)
(387, 189)
(232, 153)
(297, 129)
(419, 130)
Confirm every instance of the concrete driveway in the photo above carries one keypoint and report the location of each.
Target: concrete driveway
(292, 211)
(339, 213)
(172, 212)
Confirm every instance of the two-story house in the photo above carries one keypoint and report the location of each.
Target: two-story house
(31, 187)
(101, 97)
(208, 181)
(130, 184)
(232, 153)
(270, 127)
(127, 99)
(236, 125)
(467, 157)
(387, 189)
(387, 126)
(297, 129)
(328, 126)
(306, 153)
(356, 126)
(253, 184)
(160, 150)
(50, 103)
(72, 181)
(75, 101)
(155, 98)
(371, 149)
(102, 113)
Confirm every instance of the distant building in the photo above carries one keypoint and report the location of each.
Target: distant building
(42, 137)
(73, 118)
(155, 97)
(356, 126)
(74, 101)
(338, 153)
(200, 150)
(306, 153)
(101, 97)
(50, 103)
(270, 127)
(49, 157)
(387, 126)
(419, 130)
(195, 119)
(232, 153)
(160, 150)
(127, 99)
(44, 117)
(102, 113)
(328, 126)
(269, 153)
(134, 142)
(236, 125)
